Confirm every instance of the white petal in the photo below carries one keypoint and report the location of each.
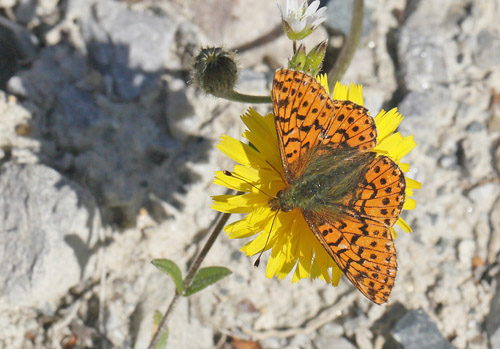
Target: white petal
(312, 8)
(298, 25)
(291, 6)
(318, 22)
(320, 12)
(281, 10)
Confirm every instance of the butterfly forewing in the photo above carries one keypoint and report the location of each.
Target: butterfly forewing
(351, 126)
(301, 109)
(305, 115)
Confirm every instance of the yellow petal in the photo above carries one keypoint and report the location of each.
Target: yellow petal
(409, 204)
(387, 123)
(393, 232)
(253, 223)
(222, 203)
(241, 152)
(411, 183)
(340, 91)
(405, 226)
(396, 146)
(355, 94)
(262, 136)
(404, 167)
(323, 81)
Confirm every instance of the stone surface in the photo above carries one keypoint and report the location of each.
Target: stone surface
(17, 45)
(488, 49)
(416, 330)
(131, 47)
(493, 319)
(15, 131)
(339, 16)
(49, 229)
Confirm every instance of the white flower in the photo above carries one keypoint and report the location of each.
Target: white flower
(300, 20)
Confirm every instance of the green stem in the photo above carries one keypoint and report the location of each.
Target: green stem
(221, 222)
(294, 46)
(241, 97)
(349, 48)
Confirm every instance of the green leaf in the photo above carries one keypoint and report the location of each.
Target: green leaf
(170, 268)
(206, 277)
(157, 318)
(162, 341)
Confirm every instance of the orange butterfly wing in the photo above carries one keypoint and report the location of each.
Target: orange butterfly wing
(359, 241)
(305, 115)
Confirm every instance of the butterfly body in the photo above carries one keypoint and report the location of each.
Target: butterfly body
(348, 195)
(330, 175)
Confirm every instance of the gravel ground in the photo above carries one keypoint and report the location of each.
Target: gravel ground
(107, 156)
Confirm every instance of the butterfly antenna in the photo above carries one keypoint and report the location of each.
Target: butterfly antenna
(257, 262)
(231, 174)
(278, 172)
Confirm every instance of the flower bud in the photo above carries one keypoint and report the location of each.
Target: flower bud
(314, 59)
(298, 60)
(215, 71)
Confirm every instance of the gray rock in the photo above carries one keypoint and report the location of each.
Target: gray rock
(15, 118)
(48, 235)
(54, 68)
(117, 150)
(25, 11)
(423, 43)
(488, 50)
(415, 330)
(130, 46)
(17, 45)
(339, 15)
(425, 111)
(422, 61)
(493, 319)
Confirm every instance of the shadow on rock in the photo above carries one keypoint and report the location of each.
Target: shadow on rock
(100, 114)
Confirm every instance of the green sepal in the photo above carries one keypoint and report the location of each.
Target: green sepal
(206, 277)
(294, 36)
(170, 268)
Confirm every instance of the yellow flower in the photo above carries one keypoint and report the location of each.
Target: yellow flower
(259, 174)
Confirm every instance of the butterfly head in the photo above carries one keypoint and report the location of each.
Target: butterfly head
(282, 201)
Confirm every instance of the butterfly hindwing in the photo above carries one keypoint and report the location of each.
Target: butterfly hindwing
(359, 239)
(364, 252)
(381, 195)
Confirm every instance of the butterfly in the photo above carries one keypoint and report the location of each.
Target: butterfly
(348, 194)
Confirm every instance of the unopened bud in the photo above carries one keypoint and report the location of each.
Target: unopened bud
(314, 59)
(298, 60)
(215, 71)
